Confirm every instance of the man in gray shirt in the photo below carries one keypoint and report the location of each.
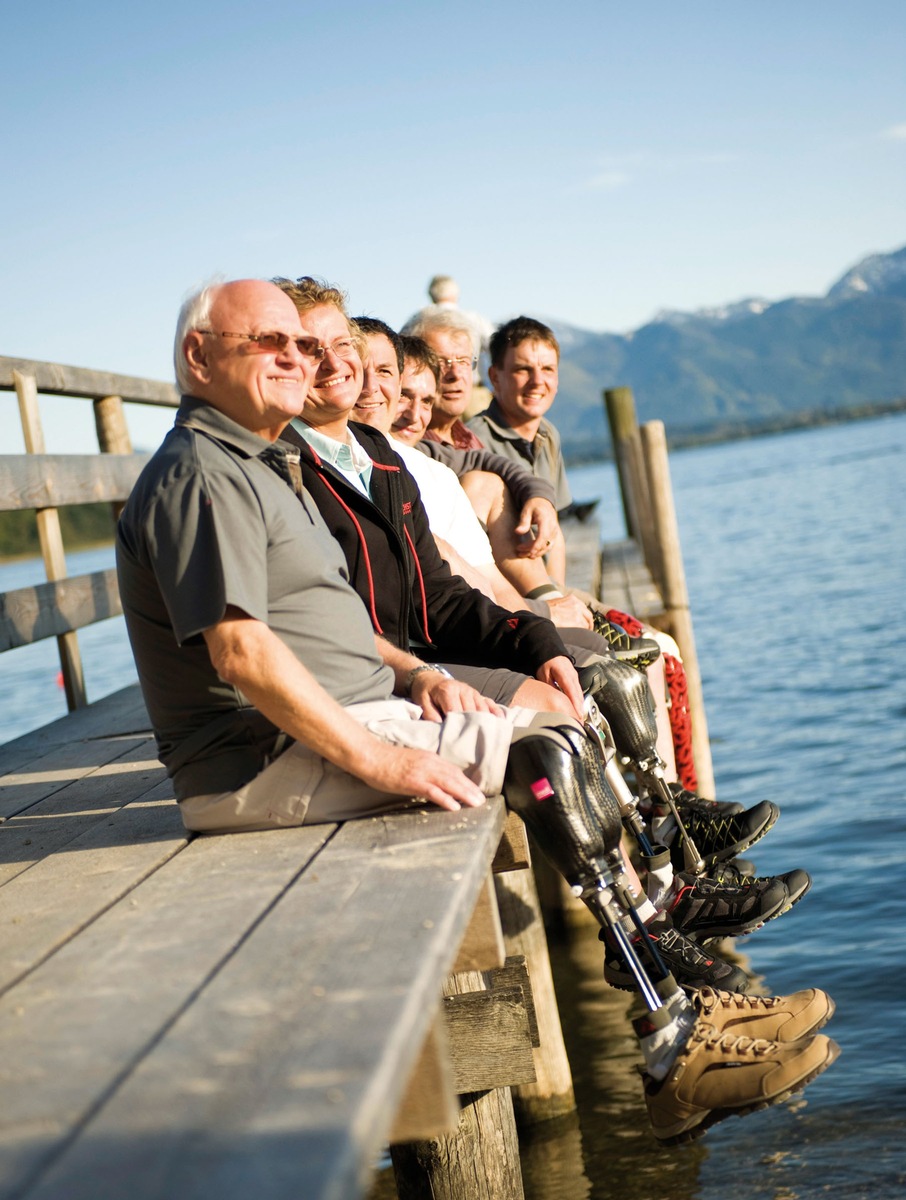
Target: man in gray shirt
(246, 633)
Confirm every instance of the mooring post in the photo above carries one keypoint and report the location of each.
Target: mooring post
(480, 1160)
(675, 592)
(624, 432)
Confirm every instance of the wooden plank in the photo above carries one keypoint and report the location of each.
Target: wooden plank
(626, 582)
(118, 715)
(70, 1031)
(490, 1043)
(31, 614)
(281, 1075)
(45, 907)
(430, 1106)
(514, 973)
(41, 480)
(47, 826)
(513, 853)
(482, 948)
(54, 379)
(56, 768)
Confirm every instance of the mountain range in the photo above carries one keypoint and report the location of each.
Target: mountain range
(751, 365)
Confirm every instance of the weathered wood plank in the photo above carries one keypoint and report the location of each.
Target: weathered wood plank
(626, 582)
(490, 1042)
(430, 1106)
(74, 1027)
(513, 853)
(54, 379)
(46, 906)
(287, 1036)
(31, 614)
(55, 480)
(481, 948)
(48, 826)
(120, 714)
(56, 768)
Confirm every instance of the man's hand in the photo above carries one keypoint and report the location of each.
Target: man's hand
(542, 514)
(560, 673)
(405, 772)
(568, 612)
(437, 695)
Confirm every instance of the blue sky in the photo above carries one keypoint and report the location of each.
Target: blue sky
(594, 162)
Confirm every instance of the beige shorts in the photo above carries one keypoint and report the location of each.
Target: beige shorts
(300, 787)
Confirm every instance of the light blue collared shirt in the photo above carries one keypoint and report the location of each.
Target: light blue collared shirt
(350, 459)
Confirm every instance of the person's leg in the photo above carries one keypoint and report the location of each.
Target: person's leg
(494, 507)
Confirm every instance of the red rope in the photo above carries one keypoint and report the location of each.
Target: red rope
(680, 722)
(630, 624)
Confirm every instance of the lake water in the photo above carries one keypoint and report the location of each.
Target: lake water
(795, 557)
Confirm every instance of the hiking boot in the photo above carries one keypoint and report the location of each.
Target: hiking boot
(641, 652)
(689, 801)
(717, 1075)
(704, 908)
(719, 837)
(690, 966)
(797, 882)
(777, 1018)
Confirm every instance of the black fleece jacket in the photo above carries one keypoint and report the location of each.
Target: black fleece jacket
(394, 565)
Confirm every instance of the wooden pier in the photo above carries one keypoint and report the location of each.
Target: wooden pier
(256, 1014)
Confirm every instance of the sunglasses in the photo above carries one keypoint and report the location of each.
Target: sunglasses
(275, 343)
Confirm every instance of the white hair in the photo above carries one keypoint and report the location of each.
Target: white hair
(195, 313)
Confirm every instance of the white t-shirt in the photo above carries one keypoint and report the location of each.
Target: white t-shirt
(450, 514)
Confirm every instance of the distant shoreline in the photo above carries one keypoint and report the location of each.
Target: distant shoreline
(737, 431)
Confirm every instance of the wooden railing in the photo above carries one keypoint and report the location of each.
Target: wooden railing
(46, 483)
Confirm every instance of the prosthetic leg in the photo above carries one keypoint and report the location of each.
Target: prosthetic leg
(621, 693)
(575, 817)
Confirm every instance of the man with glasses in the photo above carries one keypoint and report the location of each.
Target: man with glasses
(449, 335)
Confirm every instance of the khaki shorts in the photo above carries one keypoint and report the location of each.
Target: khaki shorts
(300, 787)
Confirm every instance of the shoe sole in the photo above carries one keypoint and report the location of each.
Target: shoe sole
(719, 1114)
(728, 852)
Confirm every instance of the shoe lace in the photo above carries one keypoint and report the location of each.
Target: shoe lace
(674, 942)
(708, 998)
(738, 1044)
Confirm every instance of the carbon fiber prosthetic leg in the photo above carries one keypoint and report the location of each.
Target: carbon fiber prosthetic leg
(560, 791)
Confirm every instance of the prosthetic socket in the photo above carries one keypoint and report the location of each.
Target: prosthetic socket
(555, 781)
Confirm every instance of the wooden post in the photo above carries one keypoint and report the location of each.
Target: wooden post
(51, 539)
(675, 593)
(551, 1095)
(113, 434)
(624, 433)
(480, 1161)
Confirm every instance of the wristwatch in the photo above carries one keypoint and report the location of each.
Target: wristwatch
(410, 678)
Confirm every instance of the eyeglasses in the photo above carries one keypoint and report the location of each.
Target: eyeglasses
(274, 343)
(341, 348)
(462, 360)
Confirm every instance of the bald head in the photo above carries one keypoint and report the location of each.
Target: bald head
(220, 359)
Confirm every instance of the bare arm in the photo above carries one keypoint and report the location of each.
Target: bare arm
(431, 691)
(247, 654)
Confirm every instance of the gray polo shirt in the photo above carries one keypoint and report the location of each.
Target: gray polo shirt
(542, 456)
(213, 521)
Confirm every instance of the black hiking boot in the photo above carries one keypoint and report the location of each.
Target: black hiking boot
(705, 908)
(690, 965)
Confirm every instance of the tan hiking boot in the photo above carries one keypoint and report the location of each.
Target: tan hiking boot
(718, 1075)
(777, 1018)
